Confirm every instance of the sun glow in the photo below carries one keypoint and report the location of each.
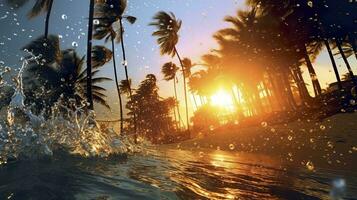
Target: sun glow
(222, 99)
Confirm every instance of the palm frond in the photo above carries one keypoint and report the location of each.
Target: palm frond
(169, 71)
(48, 47)
(100, 79)
(125, 86)
(100, 101)
(167, 31)
(100, 56)
(82, 77)
(130, 19)
(39, 7)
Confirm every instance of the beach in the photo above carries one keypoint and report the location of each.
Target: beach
(330, 143)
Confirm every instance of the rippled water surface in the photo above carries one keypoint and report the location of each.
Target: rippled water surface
(171, 174)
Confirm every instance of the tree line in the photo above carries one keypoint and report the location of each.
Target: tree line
(259, 59)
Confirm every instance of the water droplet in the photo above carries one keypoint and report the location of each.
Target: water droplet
(124, 63)
(310, 166)
(7, 69)
(309, 3)
(322, 127)
(290, 137)
(264, 124)
(74, 44)
(231, 147)
(211, 128)
(96, 22)
(201, 154)
(64, 17)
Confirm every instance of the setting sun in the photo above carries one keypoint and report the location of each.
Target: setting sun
(222, 99)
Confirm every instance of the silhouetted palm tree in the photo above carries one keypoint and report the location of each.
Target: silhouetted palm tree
(169, 71)
(61, 73)
(167, 32)
(41, 6)
(110, 15)
(89, 53)
(344, 57)
(126, 87)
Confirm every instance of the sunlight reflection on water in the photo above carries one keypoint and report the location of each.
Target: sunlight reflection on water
(171, 174)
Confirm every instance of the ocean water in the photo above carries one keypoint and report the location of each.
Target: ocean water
(172, 174)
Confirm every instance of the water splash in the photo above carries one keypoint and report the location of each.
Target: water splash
(25, 135)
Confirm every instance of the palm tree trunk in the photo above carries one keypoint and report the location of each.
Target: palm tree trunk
(352, 42)
(276, 90)
(339, 46)
(201, 100)
(333, 64)
(184, 88)
(267, 91)
(315, 81)
(118, 88)
(303, 85)
(194, 101)
(304, 93)
(257, 101)
(175, 118)
(235, 100)
(288, 91)
(177, 106)
(89, 55)
(48, 15)
(126, 66)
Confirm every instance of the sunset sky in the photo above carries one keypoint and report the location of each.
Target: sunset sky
(201, 19)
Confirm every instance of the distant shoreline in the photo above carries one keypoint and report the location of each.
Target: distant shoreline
(326, 144)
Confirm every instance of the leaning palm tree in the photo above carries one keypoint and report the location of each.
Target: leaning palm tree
(110, 15)
(167, 32)
(41, 6)
(169, 71)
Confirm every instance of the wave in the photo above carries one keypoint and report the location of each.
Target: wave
(25, 135)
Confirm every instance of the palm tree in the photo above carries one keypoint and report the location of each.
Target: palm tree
(167, 32)
(188, 65)
(169, 71)
(344, 57)
(62, 74)
(126, 87)
(41, 6)
(89, 53)
(102, 29)
(110, 15)
(334, 65)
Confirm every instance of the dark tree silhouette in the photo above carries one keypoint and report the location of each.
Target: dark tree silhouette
(167, 32)
(169, 70)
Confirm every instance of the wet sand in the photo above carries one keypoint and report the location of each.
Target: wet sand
(328, 144)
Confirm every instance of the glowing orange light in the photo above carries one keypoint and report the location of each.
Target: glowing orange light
(222, 99)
